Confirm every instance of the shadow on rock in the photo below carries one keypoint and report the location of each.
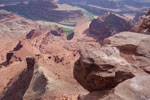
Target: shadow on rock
(97, 38)
(8, 58)
(17, 87)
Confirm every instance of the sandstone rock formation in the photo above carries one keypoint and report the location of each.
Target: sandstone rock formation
(36, 82)
(18, 85)
(102, 69)
(121, 57)
(143, 25)
(41, 65)
(52, 77)
(109, 24)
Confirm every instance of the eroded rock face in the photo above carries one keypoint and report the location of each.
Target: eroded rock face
(36, 82)
(102, 69)
(120, 58)
(52, 78)
(44, 86)
(143, 25)
(17, 87)
(109, 24)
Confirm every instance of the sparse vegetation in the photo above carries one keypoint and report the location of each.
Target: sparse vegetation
(67, 30)
(73, 25)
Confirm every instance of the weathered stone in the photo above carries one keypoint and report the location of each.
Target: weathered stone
(134, 89)
(109, 24)
(121, 57)
(102, 69)
(143, 25)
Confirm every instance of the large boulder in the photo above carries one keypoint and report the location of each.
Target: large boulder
(120, 58)
(109, 24)
(102, 69)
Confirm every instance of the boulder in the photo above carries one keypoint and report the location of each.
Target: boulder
(120, 58)
(102, 69)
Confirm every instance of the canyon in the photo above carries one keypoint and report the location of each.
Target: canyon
(127, 8)
(47, 11)
(103, 58)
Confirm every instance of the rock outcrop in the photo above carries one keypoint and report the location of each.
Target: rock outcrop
(102, 69)
(52, 78)
(143, 25)
(121, 57)
(16, 88)
(109, 24)
(36, 82)
(33, 33)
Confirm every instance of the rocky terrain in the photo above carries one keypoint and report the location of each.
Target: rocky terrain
(40, 66)
(109, 24)
(124, 56)
(107, 58)
(14, 26)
